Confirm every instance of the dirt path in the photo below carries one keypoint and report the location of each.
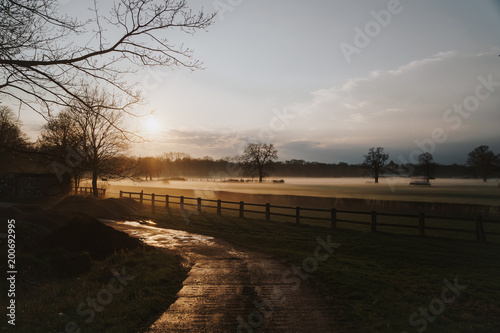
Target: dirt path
(231, 291)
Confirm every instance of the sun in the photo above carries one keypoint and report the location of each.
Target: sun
(151, 125)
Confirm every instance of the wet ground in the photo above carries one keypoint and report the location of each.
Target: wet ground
(233, 291)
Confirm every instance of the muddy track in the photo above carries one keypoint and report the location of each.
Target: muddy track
(233, 291)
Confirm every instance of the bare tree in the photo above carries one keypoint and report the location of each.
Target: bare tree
(43, 52)
(375, 161)
(60, 140)
(426, 161)
(11, 136)
(259, 156)
(483, 160)
(102, 132)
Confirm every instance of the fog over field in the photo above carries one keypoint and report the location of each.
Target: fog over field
(469, 191)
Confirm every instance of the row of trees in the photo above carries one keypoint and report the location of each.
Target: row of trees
(79, 141)
(259, 160)
(255, 161)
(482, 159)
(89, 142)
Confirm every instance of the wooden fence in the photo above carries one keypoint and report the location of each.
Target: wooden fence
(88, 191)
(328, 215)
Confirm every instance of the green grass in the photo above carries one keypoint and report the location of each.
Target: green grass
(377, 280)
(51, 303)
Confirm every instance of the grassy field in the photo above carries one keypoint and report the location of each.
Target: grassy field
(380, 281)
(465, 191)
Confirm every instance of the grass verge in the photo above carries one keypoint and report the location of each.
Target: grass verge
(382, 282)
(124, 292)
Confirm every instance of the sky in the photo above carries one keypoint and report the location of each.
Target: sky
(326, 80)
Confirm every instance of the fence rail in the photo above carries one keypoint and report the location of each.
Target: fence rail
(89, 191)
(297, 213)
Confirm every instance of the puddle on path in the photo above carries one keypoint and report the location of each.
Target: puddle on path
(161, 237)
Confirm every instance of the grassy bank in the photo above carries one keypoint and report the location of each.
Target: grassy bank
(377, 280)
(130, 289)
(75, 274)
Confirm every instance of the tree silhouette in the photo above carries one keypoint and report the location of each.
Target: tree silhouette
(426, 161)
(43, 52)
(259, 156)
(483, 160)
(375, 161)
(11, 136)
(102, 133)
(61, 136)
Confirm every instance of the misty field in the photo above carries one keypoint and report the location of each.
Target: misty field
(463, 191)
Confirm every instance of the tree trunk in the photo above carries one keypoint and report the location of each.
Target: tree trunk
(76, 178)
(261, 174)
(95, 192)
(376, 177)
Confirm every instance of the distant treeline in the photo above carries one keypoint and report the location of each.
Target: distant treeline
(174, 165)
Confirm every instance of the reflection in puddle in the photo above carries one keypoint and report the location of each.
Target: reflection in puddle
(160, 237)
(147, 222)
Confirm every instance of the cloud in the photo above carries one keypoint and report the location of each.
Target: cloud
(198, 142)
(397, 107)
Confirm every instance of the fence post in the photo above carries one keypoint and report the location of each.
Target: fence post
(121, 193)
(141, 196)
(103, 192)
(297, 215)
(199, 204)
(242, 209)
(152, 203)
(374, 221)
(181, 203)
(333, 215)
(480, 237)
(421, 224)
(268, 212)
(166, 200)
(219, 207)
